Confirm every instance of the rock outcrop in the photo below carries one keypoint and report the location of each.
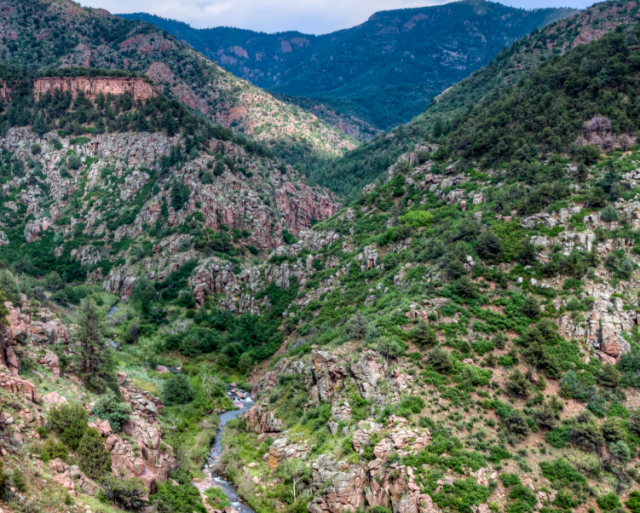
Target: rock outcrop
(138, 88)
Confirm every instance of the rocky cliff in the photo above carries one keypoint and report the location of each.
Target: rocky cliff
(92, 86)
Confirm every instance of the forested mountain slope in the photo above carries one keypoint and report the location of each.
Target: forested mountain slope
(370, 161)
(59, 33)
(460, 338)
(384, 71)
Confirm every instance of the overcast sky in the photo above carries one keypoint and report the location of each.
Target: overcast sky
(309, 16)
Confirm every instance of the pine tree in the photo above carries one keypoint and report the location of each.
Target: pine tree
(93, 459)
(424, 336)
(39, 126)
(93, 357)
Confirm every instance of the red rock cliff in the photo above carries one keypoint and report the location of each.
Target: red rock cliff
(91, 86)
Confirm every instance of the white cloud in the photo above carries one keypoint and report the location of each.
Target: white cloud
(308, 16)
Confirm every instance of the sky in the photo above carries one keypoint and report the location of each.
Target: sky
(308, 16)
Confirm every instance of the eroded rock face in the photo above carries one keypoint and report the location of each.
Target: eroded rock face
(18, 385)
(262, 421)
(328, 373)
(283, 449)
(91, 86)
(155, 461)
(343, 484)
(368, 370)
(72, 478)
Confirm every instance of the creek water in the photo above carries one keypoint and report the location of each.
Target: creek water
(216, 450)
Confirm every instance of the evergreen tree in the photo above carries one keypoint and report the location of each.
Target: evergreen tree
(93, 357)
(423, 336)
(93, 459)
(39, 126)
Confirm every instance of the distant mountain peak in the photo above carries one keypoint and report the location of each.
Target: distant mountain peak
(384, 71)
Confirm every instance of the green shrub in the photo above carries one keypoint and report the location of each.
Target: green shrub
(53, 450)
(207, 178)
(177, 390)
(633, 503)
(510, 479)
(558, 437)
(93, 459)
(417, 218)
(216, 498)
(423, 336)
(184, 498)
(69, 422)
(74, 162)
(518, 385)
(561, 472)
(609, 376)
(126, 494)
(108, 407)
(609, 214)
(409, 404)
(531, 308)
(620, 451)
(608, 502)
(612, 430)
(439, 359)
(490, 247)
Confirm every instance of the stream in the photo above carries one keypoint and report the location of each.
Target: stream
(216, 450)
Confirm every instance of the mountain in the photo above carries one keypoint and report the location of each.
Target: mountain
(178, 307)
(384, 71)
(53, 34)
(371, 161)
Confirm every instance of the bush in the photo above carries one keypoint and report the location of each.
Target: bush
(612, 430)
(126, 494)
(609, 376)
(527, 254)
(633, 503)
(518, 385)
(69, 422)
(219, 168)
(245, 364)
(417, 218)
(216, 498)
(184, 498)
(561, 472)
(207, 177)
(409, 404)
(510, 480)
(586, 433)
(620, 451)
(439, 359)
(52, 450)
(36, 149)
(177, 390)
(531, 308)
(423, 336)
(74, 162)
(93, 459)
(608, 502)
(464, 287)
(108, 407)
(490, 247)
(609, 214)
(517, 424)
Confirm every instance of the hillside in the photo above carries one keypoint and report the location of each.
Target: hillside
(384, 71)
(59, 33)
(369, 162)
(188, 325)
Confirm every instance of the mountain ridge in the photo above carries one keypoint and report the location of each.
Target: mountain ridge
(341, 69)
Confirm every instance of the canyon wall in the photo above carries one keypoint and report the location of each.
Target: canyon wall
(91, 86)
